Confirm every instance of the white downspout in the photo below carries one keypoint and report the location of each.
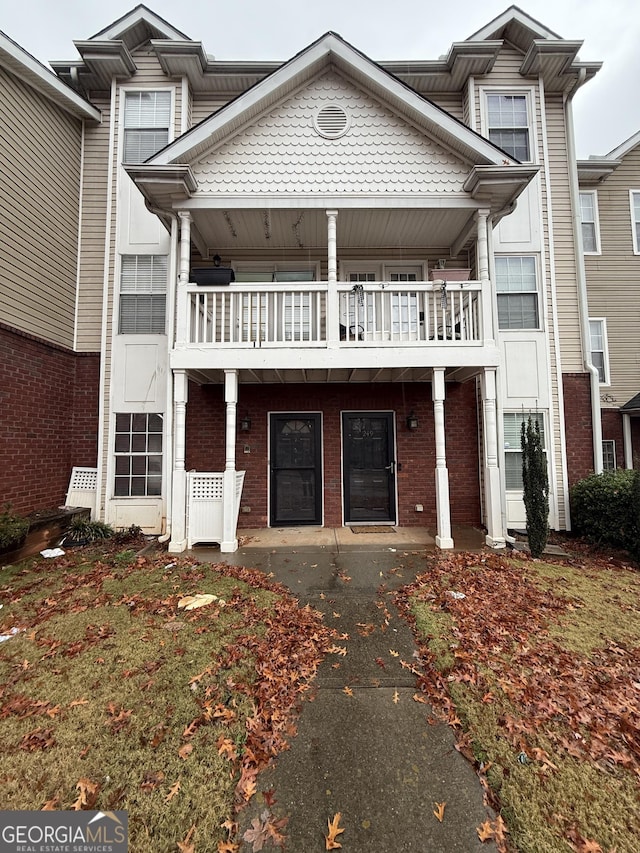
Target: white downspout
(583, 302)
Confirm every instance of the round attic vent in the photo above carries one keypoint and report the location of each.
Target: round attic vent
(331, 121)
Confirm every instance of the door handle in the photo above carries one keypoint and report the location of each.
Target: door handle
(391, 467)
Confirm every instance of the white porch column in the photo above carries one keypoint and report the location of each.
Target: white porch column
(184, 265)
(178, 541)
(443, 509)
(492, 499)
(333, 314)
(626, 434)
(482, 260)
(229, 538)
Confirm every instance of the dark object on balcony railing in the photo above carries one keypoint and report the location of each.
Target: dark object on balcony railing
(207, 276)
(353, 333)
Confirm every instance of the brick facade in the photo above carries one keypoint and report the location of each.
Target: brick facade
(579, 429)
(415, 450)
(48, 419)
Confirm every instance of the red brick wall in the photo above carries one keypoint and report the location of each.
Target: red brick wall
(415, 450)
(48, 419)
(578, 426)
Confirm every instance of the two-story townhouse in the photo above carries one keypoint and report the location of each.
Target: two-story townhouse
(330, 291)
(48, 391)
(610, 210)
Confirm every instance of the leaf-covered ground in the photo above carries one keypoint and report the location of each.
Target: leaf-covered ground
(112, 696)
(537, 667)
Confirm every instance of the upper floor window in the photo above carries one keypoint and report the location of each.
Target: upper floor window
(589, 215)
(517, 292)
(635, 220)
(143, 295)
(508, 124)
(599, 348)
(147, 116)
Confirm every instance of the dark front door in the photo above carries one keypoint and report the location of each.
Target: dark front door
(369, 467)
(296, 471)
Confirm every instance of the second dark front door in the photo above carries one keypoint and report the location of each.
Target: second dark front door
(296, 471)
(369, 467)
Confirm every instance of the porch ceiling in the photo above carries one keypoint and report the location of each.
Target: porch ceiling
(327, 376)
(225, 231)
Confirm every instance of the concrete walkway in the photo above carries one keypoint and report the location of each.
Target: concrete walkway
(377, 756)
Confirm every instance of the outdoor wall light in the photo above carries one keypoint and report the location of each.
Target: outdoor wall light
(245, 424)
(217, 260)
(412, 421)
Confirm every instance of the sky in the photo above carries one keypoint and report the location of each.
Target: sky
(606, 110)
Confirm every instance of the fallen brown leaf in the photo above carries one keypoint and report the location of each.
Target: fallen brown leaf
(439, 810)
(334, 832)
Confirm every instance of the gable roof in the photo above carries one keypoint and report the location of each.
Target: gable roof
(332, 50)
(138, 26)
(599, 167)
(516, 26)
(20, 63)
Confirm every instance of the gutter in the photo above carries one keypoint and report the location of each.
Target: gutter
(583, 302)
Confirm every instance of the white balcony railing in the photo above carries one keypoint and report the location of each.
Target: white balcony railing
(302, 315)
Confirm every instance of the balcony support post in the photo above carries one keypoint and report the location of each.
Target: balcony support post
(229, 542)
(184, 264)
(178, 541)
(492, 499)
(333, 315)
(482, 259)
(443, 508)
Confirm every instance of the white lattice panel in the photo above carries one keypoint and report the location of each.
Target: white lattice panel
(82, 487)
(205, 506)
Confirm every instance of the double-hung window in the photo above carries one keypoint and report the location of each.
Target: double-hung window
(138, 455)
(513, 445)
(589, 215)
(508, 124)
(147, 116)
(599, 348)
(635, 220)
(517, 292)
(143, 295)
(608, 455)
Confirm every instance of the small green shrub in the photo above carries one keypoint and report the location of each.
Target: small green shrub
(83, 530)
(13, 528)
(602, 508)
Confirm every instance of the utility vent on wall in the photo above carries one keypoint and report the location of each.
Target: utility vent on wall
(331, 121)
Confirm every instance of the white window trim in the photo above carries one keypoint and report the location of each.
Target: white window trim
(268, 266)
(529, 93)
(596, 221)
(382, 269)
(634, 229)
(605, 345)
(612, 442)
(127, 90)
(120, 293)
(541, 416)
(536, 258)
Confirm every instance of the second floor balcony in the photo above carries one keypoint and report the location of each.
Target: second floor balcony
(306, 315)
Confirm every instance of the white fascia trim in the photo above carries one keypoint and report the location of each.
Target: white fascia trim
(140, 13)
(513, 14)
(311, 60)
(45, 81)
(623, 148)
(212, 201)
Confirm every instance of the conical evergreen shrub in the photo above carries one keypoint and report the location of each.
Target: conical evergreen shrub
(535, 486)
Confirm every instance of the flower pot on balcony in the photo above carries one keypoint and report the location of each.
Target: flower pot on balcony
(450, 275)
(207, 276)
